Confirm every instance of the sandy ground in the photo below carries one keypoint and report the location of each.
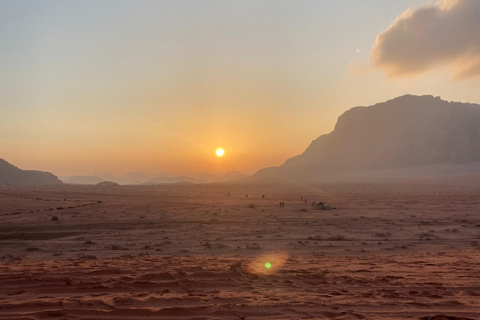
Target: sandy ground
(386, 251)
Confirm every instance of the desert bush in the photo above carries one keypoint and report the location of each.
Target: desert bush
(87, 257)
(115, 247)
(254, 246)
(337, 238)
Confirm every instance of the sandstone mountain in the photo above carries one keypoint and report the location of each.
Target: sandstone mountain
(400, 134)
(11, 175)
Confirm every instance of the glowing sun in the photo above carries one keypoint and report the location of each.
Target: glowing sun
(219, 152)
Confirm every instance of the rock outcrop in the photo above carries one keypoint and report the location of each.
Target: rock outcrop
(408, 131)
(11, 175)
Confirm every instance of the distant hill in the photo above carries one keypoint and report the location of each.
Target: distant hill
(83, 180)
(421, 132)
(143, 178)
(170, 179)
(11, 175)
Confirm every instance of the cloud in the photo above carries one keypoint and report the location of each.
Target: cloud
(446, 33)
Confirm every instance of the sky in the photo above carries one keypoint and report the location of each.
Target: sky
(156, 86)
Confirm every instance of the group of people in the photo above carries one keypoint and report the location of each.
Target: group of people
(282, 204)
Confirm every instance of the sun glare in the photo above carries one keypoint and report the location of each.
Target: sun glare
(219, 152)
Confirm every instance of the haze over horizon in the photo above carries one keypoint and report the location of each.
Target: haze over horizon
(124, 86)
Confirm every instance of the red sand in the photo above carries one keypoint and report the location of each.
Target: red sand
(192, 252)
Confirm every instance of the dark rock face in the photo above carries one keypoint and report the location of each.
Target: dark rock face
(407, 131)
(11, 175)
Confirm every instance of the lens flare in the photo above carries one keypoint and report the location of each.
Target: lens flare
(267, 263)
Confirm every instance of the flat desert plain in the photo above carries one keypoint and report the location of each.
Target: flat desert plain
(224, 251)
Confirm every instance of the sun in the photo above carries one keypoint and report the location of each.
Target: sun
(219, 152)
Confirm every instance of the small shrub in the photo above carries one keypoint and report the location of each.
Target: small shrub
(337, 238)
(115, 247)
(54, 218)
(254, 246)
(251, 206)
(87, 257)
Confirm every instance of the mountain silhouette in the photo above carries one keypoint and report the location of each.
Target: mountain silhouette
(11, 175)
(402, 133)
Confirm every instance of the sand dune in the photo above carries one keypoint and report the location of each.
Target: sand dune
(193, 252)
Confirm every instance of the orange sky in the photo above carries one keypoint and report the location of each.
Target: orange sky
(157, 86)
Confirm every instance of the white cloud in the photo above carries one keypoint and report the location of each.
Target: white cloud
(446, 33)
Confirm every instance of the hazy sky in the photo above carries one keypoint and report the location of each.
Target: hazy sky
(118, 86)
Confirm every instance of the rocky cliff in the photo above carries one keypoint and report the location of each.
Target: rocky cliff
(408, 131)
(11, 175)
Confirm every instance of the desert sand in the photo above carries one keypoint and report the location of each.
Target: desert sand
(387, 251)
